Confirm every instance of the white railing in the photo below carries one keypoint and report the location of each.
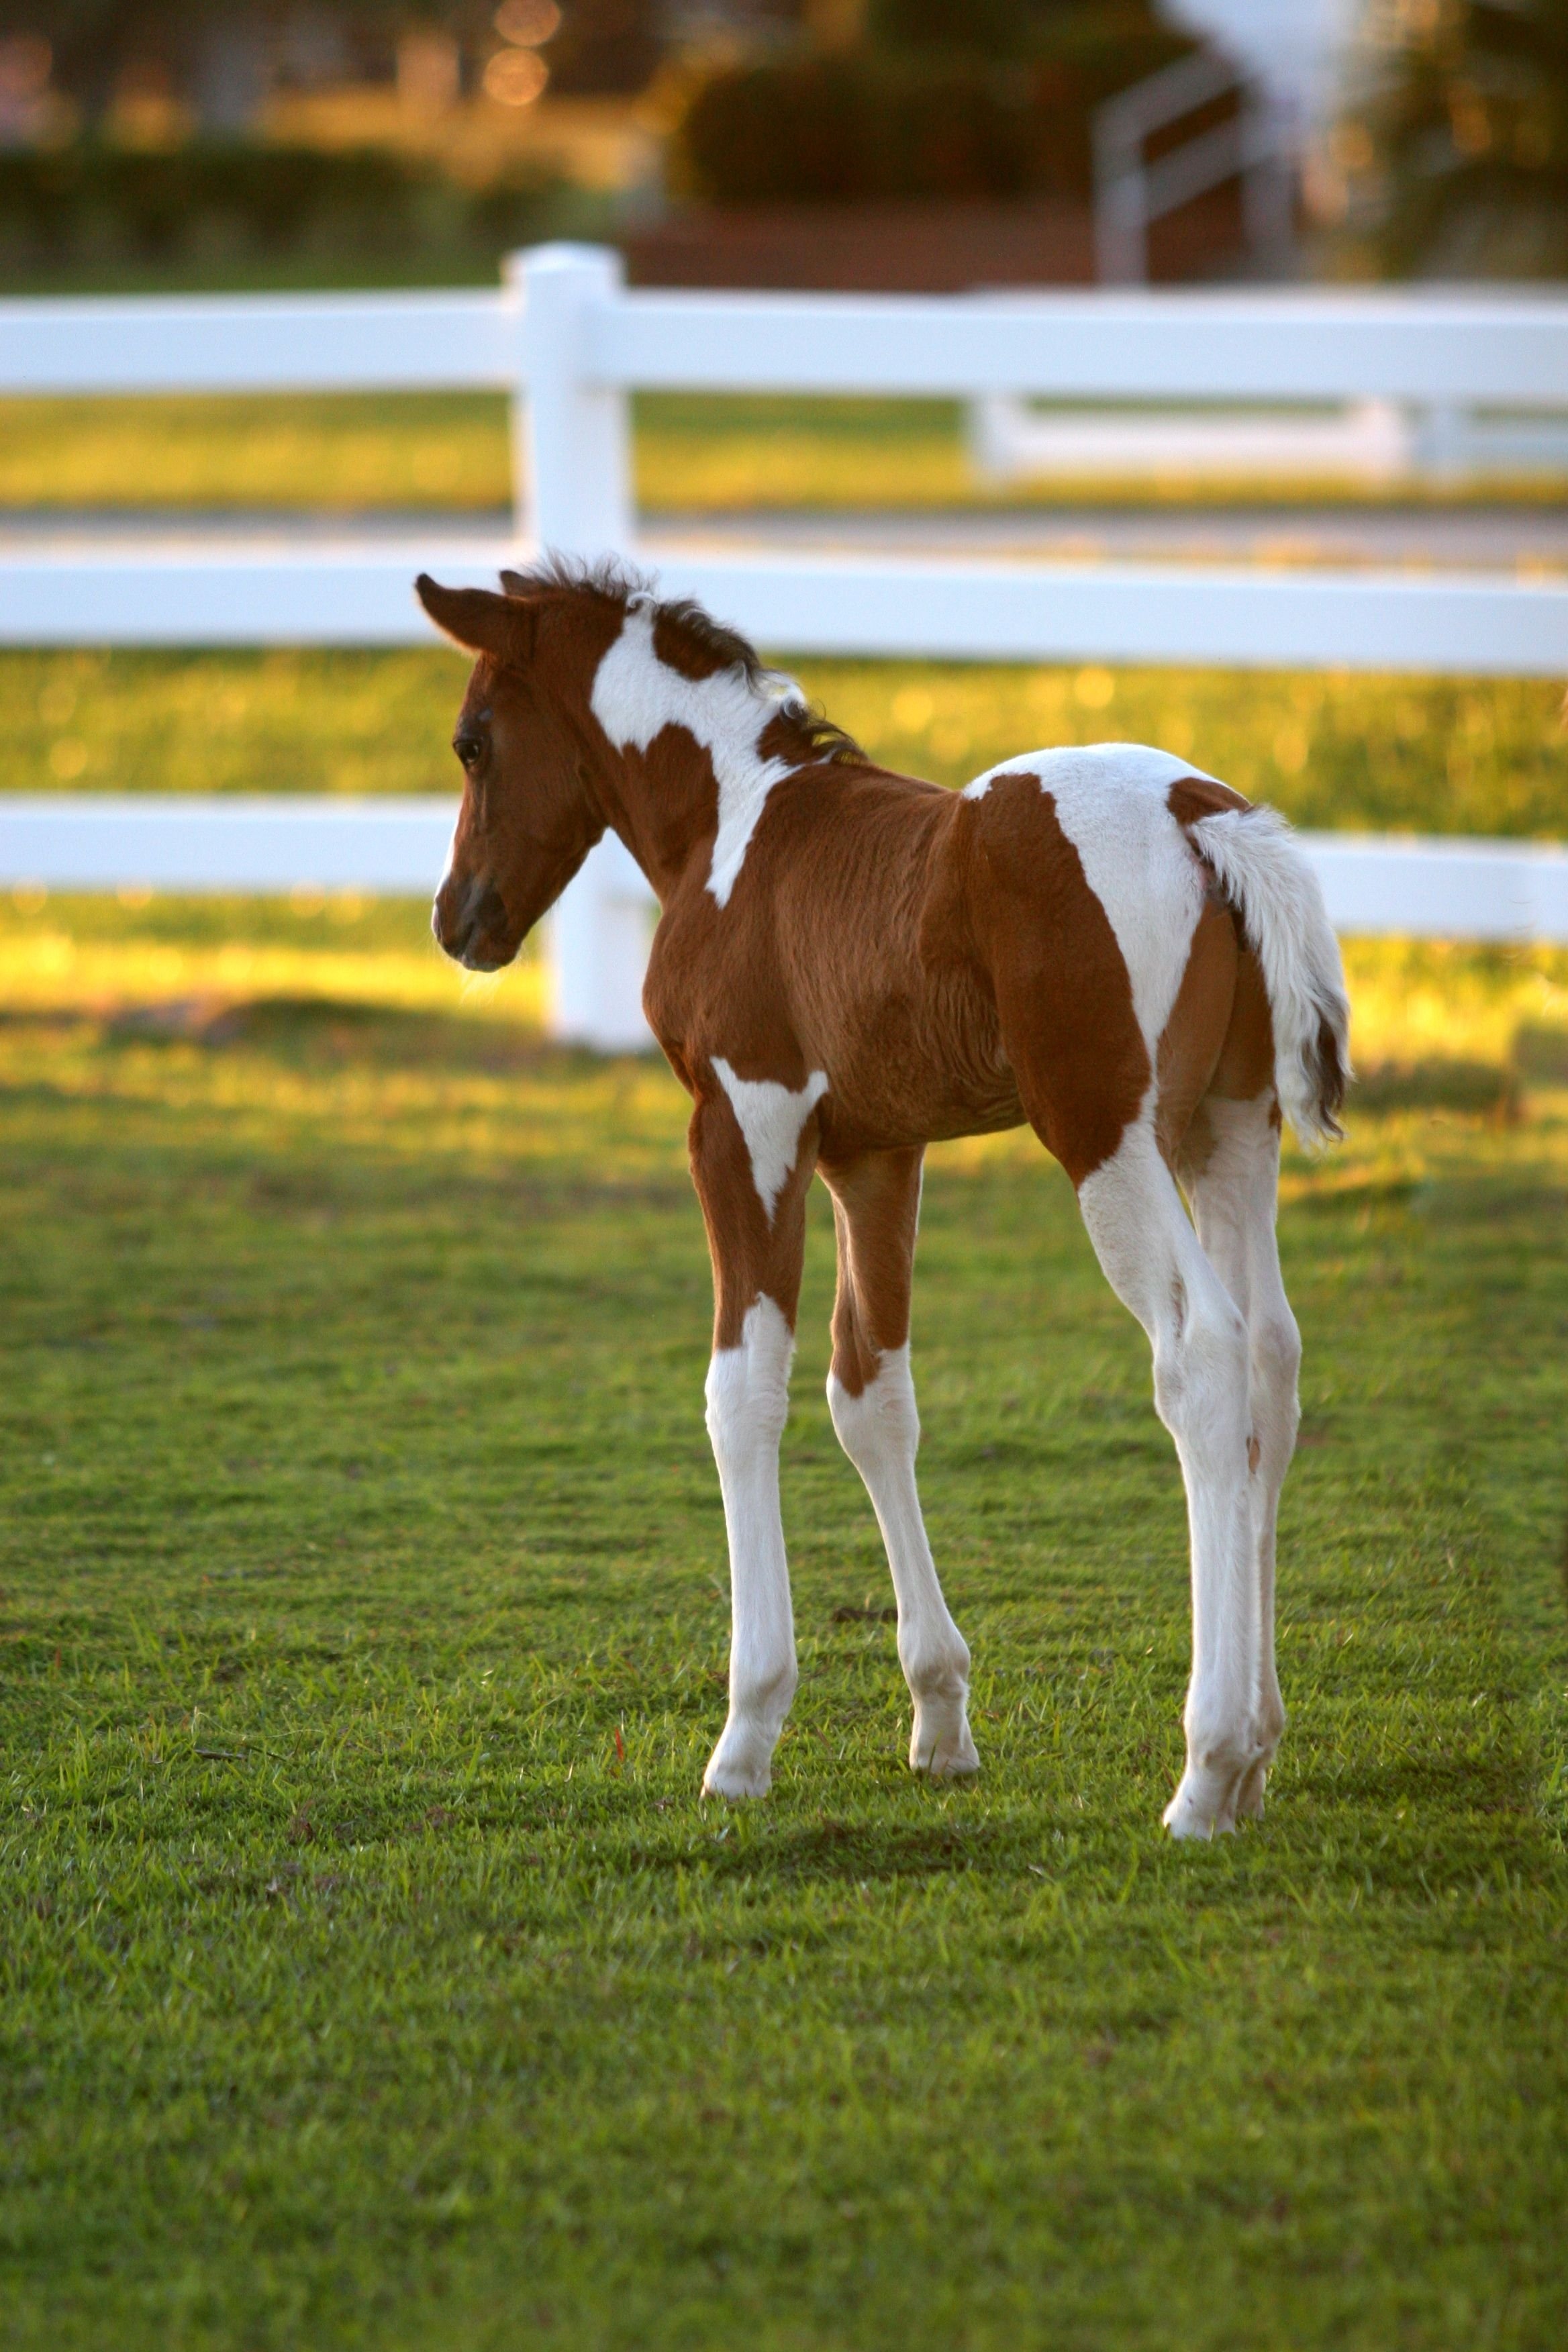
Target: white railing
(570, 343)
(1376, 443)
(1376, 886)
(1130, 193)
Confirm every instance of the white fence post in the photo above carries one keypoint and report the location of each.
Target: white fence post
(576, 472)
(598, 944)
(578, 459)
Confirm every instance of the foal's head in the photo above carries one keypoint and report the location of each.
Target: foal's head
(529, 814)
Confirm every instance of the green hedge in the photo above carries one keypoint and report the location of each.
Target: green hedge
(96, 200)
(915, 122)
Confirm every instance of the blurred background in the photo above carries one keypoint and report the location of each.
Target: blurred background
(217, 140)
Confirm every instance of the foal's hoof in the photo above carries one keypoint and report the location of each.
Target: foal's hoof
(943, 1750)
(1201, 1807)
(736, 1770)
(735, 1787)
(1249, 1796)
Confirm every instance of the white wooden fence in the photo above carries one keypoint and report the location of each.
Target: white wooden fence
(566, 340)
(569, 342)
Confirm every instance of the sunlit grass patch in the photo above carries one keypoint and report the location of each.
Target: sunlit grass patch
(336, 453)
(1422, 1000)
(1335, 750)
(700, 453)
(193, 955)
(284, 720)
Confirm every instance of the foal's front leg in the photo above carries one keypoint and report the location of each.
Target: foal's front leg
(756, 1235)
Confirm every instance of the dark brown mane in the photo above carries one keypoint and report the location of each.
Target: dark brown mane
(809, 734)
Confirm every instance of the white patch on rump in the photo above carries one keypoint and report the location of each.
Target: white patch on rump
(635, 697)
(771, 1118)
(1111, 802)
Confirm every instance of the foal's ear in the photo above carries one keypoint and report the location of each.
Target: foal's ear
(480, 619)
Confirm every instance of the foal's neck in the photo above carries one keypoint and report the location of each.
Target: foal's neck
(699, 746)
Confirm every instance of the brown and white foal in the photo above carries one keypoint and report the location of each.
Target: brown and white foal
(1103, 943)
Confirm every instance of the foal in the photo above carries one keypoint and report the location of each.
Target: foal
(1103, 943)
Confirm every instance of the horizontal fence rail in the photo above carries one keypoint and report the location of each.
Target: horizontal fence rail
(1106, 345)
(1304, 344)
(941, 608)
(1377, 885)
(263, 342)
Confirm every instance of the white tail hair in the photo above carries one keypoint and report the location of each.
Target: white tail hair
(1255, 857)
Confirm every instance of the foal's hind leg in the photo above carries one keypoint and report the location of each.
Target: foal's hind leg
(1155, 1264)
(876, 1201)
(1230, 1165)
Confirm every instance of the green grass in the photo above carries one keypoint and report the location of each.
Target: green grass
(1441, 755)
(441, 450)
(372, 1974)
(450, 452)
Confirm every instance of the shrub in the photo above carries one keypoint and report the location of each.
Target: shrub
(916, 119)
(97, 200)
(1465, 129)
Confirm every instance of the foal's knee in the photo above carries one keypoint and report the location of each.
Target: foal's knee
(882, 1424)
(1277, 1350)
(747, 1390)
(1201, 1366)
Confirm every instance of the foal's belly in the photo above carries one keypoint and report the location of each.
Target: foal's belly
(913, 1071)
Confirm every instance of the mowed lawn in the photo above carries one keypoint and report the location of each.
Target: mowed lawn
(373, 1974)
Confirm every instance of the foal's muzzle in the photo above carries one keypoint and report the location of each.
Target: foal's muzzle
(468, 919)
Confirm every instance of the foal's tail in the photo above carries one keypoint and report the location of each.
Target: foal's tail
(1255, 859)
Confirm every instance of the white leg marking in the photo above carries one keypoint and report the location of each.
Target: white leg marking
(1155, 1262)
(879, 1431)
(748, 1399)
(1233, 1203)
(771, 1118)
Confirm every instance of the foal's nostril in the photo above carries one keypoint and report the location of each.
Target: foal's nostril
(478, 913)
(488, 913)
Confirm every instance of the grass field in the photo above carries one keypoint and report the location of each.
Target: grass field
(449, 451)
(373, 1975)
(1437, 755)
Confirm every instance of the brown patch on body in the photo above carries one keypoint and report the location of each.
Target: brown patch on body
(1193, 1039)
(753, 1257)
(1063, 994)
(1246, 1065)
(876, 1206)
